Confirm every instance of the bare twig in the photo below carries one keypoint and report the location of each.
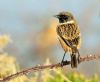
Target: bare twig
(38, 68)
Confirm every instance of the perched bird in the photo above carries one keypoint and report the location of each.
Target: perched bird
(69, 36)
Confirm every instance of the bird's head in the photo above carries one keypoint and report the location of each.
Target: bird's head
(64, 17)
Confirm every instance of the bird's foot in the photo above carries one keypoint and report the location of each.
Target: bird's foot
(62, 63)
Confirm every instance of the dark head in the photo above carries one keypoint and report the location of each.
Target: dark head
(64, 17)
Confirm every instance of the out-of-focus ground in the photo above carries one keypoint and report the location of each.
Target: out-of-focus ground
(32, 27)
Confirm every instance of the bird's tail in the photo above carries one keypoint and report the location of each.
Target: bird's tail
(74, 61)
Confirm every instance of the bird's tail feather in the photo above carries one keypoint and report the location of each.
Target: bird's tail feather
(74, 61)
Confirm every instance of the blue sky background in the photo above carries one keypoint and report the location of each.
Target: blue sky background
(23, 19)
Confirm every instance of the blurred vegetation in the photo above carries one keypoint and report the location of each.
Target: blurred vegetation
(9, 65)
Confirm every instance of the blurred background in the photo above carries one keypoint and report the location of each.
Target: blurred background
(32, 28)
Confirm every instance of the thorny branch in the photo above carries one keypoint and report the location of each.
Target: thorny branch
(38, 68)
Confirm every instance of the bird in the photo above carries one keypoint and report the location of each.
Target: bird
(69, 36)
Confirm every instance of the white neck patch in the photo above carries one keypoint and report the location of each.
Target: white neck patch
(68, 22)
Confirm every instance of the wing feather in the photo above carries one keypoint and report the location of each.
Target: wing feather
(69, 33)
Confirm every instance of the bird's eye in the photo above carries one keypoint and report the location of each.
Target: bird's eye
(64, 17)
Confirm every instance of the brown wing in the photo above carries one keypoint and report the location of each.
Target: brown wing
(69, 33)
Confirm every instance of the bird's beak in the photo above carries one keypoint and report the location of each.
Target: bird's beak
(57, 16)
